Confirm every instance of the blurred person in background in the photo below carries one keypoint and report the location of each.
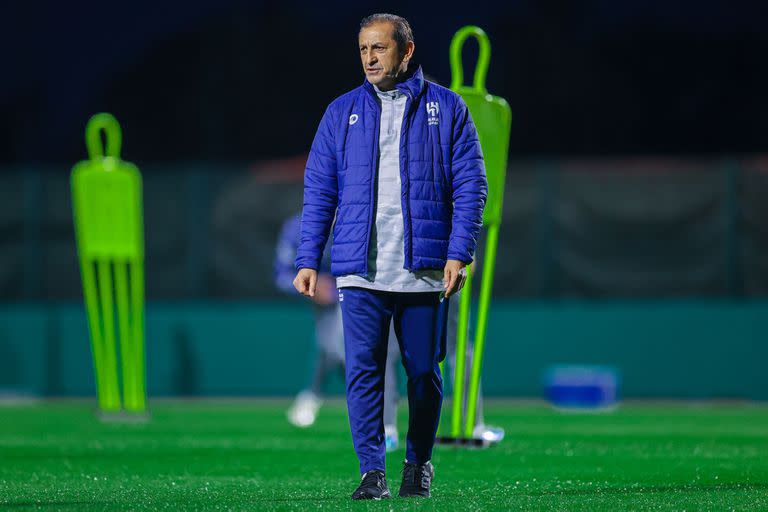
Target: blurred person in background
(329, 337)
(489, 433)
(406, 216)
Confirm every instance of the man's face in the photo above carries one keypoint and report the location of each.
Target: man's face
(382, 61)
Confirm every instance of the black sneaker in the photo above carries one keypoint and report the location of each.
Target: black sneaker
(417, 479)
(372, 487)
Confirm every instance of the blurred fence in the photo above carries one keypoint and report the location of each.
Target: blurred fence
(676, 348)
(603, 230)
(593, 229)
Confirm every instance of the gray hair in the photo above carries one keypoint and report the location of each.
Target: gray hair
(402, 33)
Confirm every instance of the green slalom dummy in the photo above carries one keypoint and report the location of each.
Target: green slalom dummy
(107, 207)
(493, 119)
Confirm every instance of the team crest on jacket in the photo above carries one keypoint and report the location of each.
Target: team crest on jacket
(433, 108)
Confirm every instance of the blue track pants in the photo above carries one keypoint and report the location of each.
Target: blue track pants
(420, 325)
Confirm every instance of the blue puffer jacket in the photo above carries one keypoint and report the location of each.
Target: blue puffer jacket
(441, 170)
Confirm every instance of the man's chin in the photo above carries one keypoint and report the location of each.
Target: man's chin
(381, 81)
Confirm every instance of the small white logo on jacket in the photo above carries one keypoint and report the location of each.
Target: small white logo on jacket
(433, 109)
(353, 119)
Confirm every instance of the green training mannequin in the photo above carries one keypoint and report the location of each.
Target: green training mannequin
(493, 119)
(107, 207)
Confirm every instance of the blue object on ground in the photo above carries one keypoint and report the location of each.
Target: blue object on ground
(582, 387)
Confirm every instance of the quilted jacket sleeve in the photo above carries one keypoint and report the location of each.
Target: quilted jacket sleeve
(320, 195)
(470, 186)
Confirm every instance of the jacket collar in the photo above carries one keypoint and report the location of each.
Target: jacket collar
(412, 85)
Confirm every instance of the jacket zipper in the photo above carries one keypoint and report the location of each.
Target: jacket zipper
(404, 157)
(375, 163)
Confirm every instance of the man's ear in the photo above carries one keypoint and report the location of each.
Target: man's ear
(410, 46)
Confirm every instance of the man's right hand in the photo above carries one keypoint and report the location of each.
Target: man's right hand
(306, 282)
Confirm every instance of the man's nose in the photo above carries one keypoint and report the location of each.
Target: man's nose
(370, 57)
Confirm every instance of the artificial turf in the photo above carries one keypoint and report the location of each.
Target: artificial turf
(243, 455)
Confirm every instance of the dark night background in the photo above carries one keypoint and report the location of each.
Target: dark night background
(637, 161)
(240, 81)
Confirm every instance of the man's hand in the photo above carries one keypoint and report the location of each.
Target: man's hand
(454, 276)
(306, 282)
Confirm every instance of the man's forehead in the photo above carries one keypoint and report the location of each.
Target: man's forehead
(381, 30)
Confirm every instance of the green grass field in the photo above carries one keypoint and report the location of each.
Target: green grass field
(242, 455)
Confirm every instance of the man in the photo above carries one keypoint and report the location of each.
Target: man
(396, 169)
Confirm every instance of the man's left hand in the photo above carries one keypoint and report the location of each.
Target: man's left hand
(454, 276)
